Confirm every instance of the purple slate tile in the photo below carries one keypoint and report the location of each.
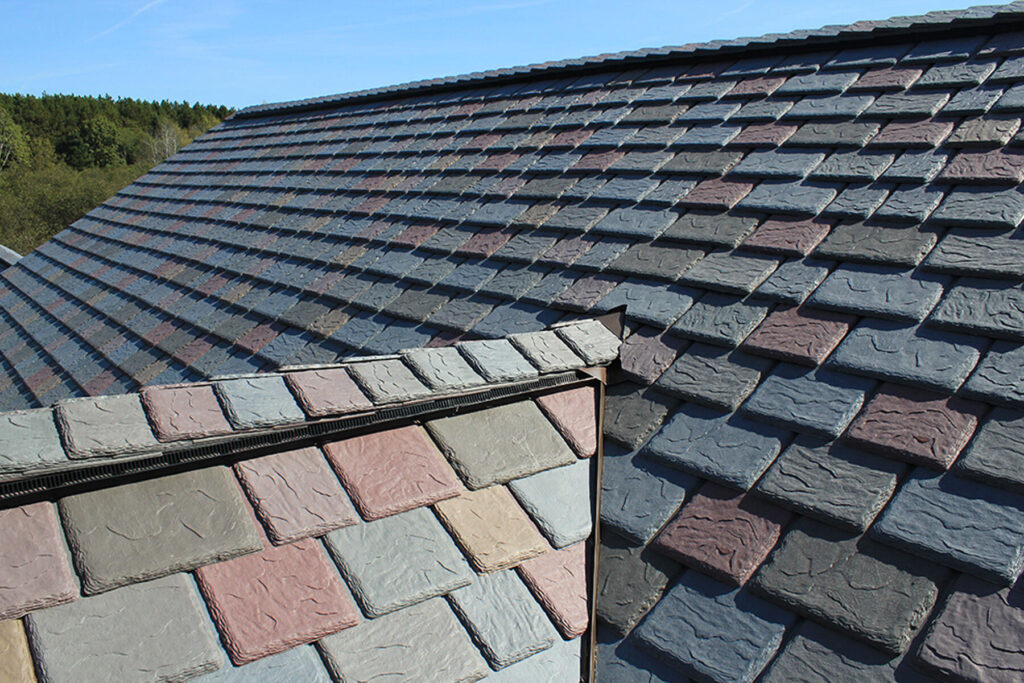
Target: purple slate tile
(573, 412)
(105, 426)
(252, 403)
(36, 570)
(801, 335)
(184, 412)
(646, 354)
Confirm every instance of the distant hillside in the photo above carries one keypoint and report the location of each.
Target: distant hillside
(62, 155)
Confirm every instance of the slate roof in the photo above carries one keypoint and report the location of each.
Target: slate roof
(426, 533)
(816, 239)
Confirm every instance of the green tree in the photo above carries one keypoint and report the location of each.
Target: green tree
(14, 147)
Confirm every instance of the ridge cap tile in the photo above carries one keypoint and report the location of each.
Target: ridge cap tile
(97, 426)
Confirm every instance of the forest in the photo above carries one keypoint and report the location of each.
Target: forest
(63, 155)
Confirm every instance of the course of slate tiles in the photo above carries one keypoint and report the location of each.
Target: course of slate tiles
(397, 553)
(818, 409)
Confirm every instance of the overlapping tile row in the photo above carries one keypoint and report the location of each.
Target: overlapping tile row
(819, 256)
(397, 552)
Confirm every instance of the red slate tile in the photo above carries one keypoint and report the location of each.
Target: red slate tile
(99, 383)
(35, 567)
(565, 251)
(913, 134)
(758, 86)
(558, 579)
(276, 599)
(888, 78)
(392, 471)
(722, 532)
(295, 494)
(258, 337)
(914, 425)
(159, 332)
(574, 414)
(184, 412)
(415, 235)
(443, 338)
(763, 135)
(570, 138)
(788, 237)
(483, 141)
(497, 162)
(717, 193)
(598, 161)
(647, 353)
(486, 241)
(327, 392)
(706, 70)
(799, 335)
(583, 293)
(192, 351)
(1000, 166)
(372, 204)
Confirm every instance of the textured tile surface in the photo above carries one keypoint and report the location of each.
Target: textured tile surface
(559, 501)
(256, 402)
(35, 571)
(442, 369)
(29, 441)
(574, 414)
(387, 381)
(15, 657)
(144, 530)
(713, 376)
(105, 426)
(327, 392)
(300, 663)
(996, 452)
(188, 412)
(630, 580)
(798, 335)
(558, 579)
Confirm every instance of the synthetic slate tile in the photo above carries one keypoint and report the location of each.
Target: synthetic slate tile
(995, 454)
(908, 354)
(185, 412)
(442, 369)
(998, 376)
(910, 203)
(391, 471)
(630, 579)
(958, 523)
(153, 630)
(916, 167)
(721, 319)
(327, 392)
(559, 502)
(788, 237)
(710, 228)
(491, 528)
(987, 307)
(295, 494)
(29, 441)
(731, 272)
(907, 105)
(387, 380)
(105, 426)
(879, 291)
(546, 351)
(15, 657)
(254, 402)
(636, 222)
(591, 341)
(632, 413)
(497, 360)
(801, 335)
(562, 662)
(981, 208)
(845, 134)
(497, 444)
(148, 529)
(419, 642)
(793, 281)
(713, 376)
(779, 196)
(505, 621)
(867, 590)
(709, 443)
(652, 303)
(35, 571)
(559, 581)
(976, 252)
(747, 630)
(276, 599)
(820, 401)
(840, 486)
(398, 561)
(778, 164)
(723, 533)
(877, 244)
(299, 662)
(574, 414)
(664, 260)
(917, 426)
(647, 353)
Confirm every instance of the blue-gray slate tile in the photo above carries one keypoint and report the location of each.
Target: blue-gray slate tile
(497, 360)
(984, 253)
(880, 291)
(650, 302)
(982, 208)
(986, 307)
(558, 501)
(255, 402)
(779, 196)
(778, 164)
(730, 271)
(713, 376)
(721, 319)
(995, 455)
(793, 281)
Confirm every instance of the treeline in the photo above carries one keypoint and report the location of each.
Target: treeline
(62, 155)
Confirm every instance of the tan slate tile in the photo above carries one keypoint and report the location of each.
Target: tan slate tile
(15, 658)
(491, 528)
(295, 494)
(558, 579)
(574, 414)
(392, 471)
(321, 393)
(35, 568)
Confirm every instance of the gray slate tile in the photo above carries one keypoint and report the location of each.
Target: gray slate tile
(254, 402)
(907, 105)
(387, 381)
(707, 136)
(497, 360)
(148, 631)
(559, 502)
(793, 281)
(636, 222)
(995, 455)
(591, 341)
(713, 376)
(858, 201)
(973, 101)
(818, 83)
(854, 167)
(788, 198)
(781, 163)
(632, 413)
(746, 630)
(723, 230)
(985, 307)
(830, 107)
(106, 426)
(298, 663)
(728, 449)
(721, 319)
(873, 243)
(639, 495)
(442, 369)
(505, 621)
(650, 302)
(975, 252)
(943, 50)
(818, 401)
(546, 351)
(880, 292)
(29, 442)
(907, 354)
(630, 580)
(398, 561)
(837, 485)
(910, 203)
(957, 523)
(497, 444)
(999, 377)
(845, 134)
(982, 208)
(917, 166)
(560, 662)
(730, 271)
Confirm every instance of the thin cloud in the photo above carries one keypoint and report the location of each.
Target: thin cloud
(127, 20)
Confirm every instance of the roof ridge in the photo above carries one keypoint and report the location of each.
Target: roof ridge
(978, 16)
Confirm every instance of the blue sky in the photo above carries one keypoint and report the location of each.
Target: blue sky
(238, 53)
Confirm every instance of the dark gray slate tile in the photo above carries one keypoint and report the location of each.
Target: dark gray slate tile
(711, 111)
(787, 197)
(398, 561)
(904, 246)
(975, 252)
(854, 167)
(818, 401)
(867, 590)
(830, 107)
(958, 523)
(505, 621)
(632, 413)
(638, 222)
(917, 166)
(908, 354)
(707, 136)
(762, 111)
(840, 486)
(999, 377)
(497, 360)
(650, 302)
(730, 271)
(713, 376)
(621, 660)
(996, 453)
(973, 101)
(846, 134)
(981, 208)
(958, 75)
(124, 635)
(781, 163)
(712, 228)
(508, 319)
(868, 56)
(858, 201)
(603, 252)
(793, 281)
(820, 655)
(910, 203)
(986, 307)
(625, 189)
(463, 313)
(639, 495)
(721, 319)
(907, 105)
(662, 259)
(630, 580)
(746, 630)
(709, 443)
(818, 83)
(713, 163)
(944, 50)
(880, 291)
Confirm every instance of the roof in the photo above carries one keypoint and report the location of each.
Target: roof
(817, 246)
(397, 517)
(8, 257)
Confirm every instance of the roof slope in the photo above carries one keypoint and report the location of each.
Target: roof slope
(821, 405)
(408, 541)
